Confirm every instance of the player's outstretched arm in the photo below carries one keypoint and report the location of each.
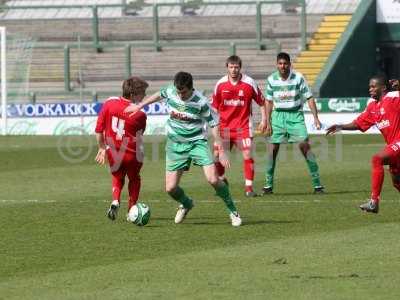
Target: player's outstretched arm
(337, 127)
(133, 108)
(223, 158)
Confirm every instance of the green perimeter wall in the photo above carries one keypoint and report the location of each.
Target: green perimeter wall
(353, 61)
(389, 32)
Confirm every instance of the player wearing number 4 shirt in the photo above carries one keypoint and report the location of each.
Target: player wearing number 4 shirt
(233, 98)
(384, 113)
(119, 137)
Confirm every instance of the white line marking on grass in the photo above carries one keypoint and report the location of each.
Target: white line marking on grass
(24, 201)
(365, 145)
(207, 201)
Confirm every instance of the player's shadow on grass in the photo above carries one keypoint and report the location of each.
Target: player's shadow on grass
(312, 194)
(188, 218)
(204, 220)
(245, 222)
(270, 222)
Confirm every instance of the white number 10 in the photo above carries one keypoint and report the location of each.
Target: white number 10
(117, 126)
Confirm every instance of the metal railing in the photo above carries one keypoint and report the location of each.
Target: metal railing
(231, 48)
(128, 64)
(258, 29)
(97, 44)
(156, 43)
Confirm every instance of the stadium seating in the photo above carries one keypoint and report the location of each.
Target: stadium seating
(324, 40)
(313, 7)
(104, 71)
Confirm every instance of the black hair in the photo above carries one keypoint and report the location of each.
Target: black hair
(381, 79)
(283, 55)
(182, 80)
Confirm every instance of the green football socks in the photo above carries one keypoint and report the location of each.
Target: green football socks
(222, 191)
(311, 164)
(269, 175)
(313, 169)
(180, 196)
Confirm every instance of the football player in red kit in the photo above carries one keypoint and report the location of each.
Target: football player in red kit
(384, 113)
(119, 137)
(233, 98)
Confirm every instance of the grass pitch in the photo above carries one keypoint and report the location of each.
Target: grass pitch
(56, 242)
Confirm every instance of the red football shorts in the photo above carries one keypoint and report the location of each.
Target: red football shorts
(122, 164)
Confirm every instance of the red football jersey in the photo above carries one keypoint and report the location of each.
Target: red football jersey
(119, 128)
(385, 114)
(234, 101)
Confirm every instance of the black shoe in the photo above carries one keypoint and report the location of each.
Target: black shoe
(251, 194)
(112, 212)
(267, 190)
(319, 190)
(370, 206)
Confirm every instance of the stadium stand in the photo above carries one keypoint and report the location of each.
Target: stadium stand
(313, 7)
(324, 40)
(103, 71)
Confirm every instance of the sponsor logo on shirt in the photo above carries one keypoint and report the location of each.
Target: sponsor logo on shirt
(286, 96)
(233, 102)
(383, 124)
(395, 146)
(179, 116)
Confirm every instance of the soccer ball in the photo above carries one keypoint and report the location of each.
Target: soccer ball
(139, 214)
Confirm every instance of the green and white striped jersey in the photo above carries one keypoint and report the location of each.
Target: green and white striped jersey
(187, 119)
(289, 94)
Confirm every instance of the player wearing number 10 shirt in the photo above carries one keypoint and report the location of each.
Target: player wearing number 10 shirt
(233, 98)
(119, 138)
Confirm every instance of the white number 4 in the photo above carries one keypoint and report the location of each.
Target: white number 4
(117, 126)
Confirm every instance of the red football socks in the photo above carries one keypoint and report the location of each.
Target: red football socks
(377, 176)
(248, 168)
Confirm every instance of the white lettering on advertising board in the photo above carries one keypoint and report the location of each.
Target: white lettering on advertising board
(388, 11)
(155, 125)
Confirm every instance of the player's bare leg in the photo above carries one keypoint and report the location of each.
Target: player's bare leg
(172, 179)
(219, 167)
(312, 165)
(222, 191)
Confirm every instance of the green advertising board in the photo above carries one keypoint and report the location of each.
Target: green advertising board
(340, 105)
